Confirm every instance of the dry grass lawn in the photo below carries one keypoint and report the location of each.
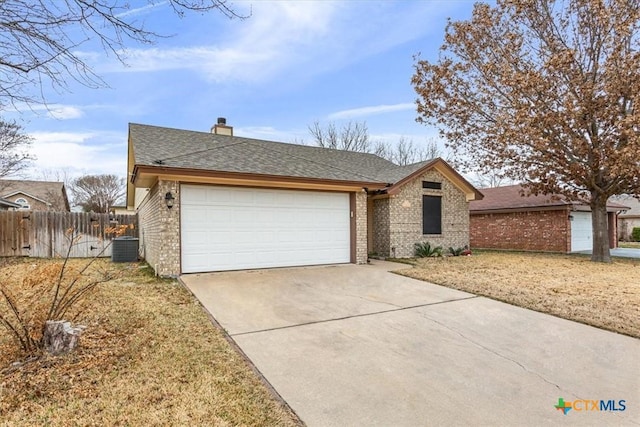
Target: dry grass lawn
(572, 287)
(149, 356)
(633, 245)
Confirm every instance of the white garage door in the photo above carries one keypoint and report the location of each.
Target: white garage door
(581, 231)
(232, 228)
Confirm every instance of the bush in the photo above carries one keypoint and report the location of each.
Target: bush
(456, 251)
(460, 251)
(54, 291)
(635, 234)
(425, 250)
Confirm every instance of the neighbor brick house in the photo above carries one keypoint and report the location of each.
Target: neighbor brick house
(629, 219)
(505, 219)
(35, 195)
(212, 201)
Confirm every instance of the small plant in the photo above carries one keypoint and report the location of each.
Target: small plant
(455, 251)
(459, 251)
(635, 234)
(425, 250)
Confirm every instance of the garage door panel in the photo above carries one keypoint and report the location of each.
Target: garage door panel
(227, 228)
(581, 231)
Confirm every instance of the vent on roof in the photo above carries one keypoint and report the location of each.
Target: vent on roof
(221, 128)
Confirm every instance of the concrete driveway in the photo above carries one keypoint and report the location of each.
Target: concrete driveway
(619, 252)
(351, 345)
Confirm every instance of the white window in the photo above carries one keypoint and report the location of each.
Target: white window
(23, 202)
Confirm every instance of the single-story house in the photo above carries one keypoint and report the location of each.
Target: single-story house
(35, 195)
(7, 205)
(630, 219)
(212, 201)
(504, 219)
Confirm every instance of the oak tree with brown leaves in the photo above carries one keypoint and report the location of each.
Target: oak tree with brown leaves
(546, 92)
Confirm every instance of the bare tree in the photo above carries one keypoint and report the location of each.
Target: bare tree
(354, 136)
(406, 152)
(98, 193)
(14, 145)
(546, 91)
(491, 179)
(40, 41)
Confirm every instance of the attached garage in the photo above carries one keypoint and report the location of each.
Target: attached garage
(234, 228)
(581, 231)
(505, 219)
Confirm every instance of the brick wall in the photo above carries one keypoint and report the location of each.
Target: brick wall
(547, 231)
(160, 229)
(625, 227)
(380, 227)
(398, 219)
(34, 204)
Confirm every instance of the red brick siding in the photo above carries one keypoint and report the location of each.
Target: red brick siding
(530, 231)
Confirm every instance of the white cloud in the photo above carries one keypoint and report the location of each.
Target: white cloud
(54, 111)
(64, 112)
(80, 152)
(287, 38)
(370, 111)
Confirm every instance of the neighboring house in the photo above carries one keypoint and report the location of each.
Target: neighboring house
(35, 195)
(630, 219)
(121, 210)
(7, 205)
(505, 219)
(214, 201)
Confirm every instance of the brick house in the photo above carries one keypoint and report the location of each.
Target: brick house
(35, 195)
(630, 219)
(504, 219)
(212, 201)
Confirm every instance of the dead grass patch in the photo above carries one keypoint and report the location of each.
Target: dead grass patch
(149, 356)
(572, 287)
(632, 245)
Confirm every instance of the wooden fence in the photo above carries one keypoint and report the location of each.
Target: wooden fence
(49, 234)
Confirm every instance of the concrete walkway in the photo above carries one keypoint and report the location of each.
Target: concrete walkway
(355, 345)
(619, 252)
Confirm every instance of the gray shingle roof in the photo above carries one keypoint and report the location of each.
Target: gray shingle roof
(630, 202)
(510, 197)
(177, 148)
(43, 190)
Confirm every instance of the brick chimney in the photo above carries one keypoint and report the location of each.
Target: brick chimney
(221, 127)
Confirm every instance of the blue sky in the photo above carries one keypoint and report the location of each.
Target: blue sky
(271, 75)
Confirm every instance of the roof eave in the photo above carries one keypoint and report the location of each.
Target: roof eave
(243, 178)
(443, 167)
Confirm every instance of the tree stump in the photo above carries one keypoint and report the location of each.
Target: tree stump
(60, 337)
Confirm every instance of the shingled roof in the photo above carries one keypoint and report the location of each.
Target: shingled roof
(175, 148)
(48, 192)
(632, 203)
(510, 197)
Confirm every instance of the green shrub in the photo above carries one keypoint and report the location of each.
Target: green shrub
(425, 250)
(455, 252)
(635, 234)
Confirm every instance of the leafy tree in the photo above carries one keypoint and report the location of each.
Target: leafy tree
(14, 144)
(354, 136)
(97, 193)
(40, 41)
(545, 91)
